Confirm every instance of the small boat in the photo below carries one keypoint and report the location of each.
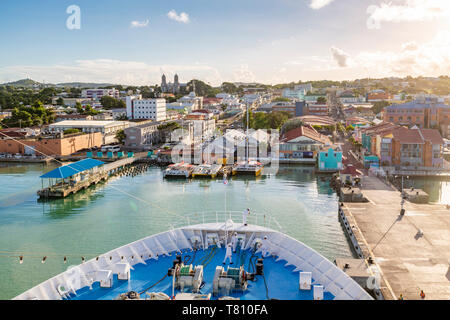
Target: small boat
(178, 170)
(247, 167)
(206, 170)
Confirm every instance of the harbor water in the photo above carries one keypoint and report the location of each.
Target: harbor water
(128, 208)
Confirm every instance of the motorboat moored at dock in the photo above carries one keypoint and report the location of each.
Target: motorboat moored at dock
(248, 167)
(206, 170)
(178, 170)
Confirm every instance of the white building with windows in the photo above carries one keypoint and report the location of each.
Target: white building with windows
(97, 94)
(138, 108)
(192, 98)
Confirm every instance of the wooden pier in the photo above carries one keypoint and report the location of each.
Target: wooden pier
(120, 167)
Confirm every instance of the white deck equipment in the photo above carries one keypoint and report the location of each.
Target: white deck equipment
(318, 292)
(123, 271)
(305, 280)
(105, 277)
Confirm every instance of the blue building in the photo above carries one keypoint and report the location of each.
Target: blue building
(300, 108)
(330, 160)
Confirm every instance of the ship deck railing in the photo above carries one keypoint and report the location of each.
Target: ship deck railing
(259, 219)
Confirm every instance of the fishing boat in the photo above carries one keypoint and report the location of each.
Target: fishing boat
(186, 263)
(178, 170)
(248, 167)
(206, 170)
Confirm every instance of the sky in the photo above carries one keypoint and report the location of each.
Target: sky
(134, 42)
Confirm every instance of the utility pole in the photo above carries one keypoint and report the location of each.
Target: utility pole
(402, 210)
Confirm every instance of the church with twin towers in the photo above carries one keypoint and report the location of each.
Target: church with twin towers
(169, 87)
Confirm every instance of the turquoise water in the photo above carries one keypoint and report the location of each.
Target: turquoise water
(110, 215)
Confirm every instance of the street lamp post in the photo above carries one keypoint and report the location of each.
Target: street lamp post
(402, 210)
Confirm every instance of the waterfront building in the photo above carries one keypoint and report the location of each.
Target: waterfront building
(395, 145)
(138, 108)
(143, 135)
(53, 145)
(417, 147)
(303, 142)
(108, 129)
(330, 159)
(370, 137)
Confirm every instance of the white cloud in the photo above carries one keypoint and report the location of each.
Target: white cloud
(431, 58)
(182, 17)
(109, 71)
(139, 24)
(408, 10)
(340, 57)
(318, 4)
(243, 74)
(410, 46)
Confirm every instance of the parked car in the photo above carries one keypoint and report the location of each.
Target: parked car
(110, 148)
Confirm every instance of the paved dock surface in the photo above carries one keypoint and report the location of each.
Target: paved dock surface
(408, 261)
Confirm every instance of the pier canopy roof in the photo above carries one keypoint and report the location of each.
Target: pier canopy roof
(73, 168)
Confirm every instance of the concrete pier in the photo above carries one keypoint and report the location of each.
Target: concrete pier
(411, 251)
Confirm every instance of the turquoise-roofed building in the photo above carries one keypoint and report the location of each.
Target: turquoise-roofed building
(366, 141)
(330, 160)
(371, 161)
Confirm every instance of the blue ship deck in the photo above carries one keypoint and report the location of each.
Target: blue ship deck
(282, 282)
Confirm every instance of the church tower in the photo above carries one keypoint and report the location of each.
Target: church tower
(163, 83)
(176, 84)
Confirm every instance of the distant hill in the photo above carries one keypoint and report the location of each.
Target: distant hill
(85, 85)
(29, 83)
(23, 83)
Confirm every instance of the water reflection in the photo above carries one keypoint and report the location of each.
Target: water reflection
(61, 208)
(439, 191)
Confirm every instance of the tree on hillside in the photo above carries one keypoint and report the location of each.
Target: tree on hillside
(379, 106)
(291, 125)
(111, 103)
(321, 100)
(231, 88)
